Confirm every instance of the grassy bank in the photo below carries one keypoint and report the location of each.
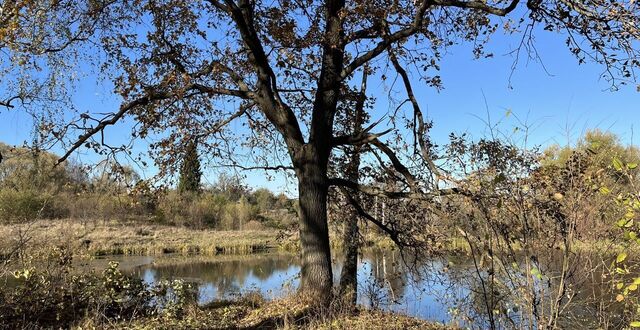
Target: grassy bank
(111, 238)
(99, 238)
(115, 238)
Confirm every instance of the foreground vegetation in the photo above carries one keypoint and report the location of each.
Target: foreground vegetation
(57, 295)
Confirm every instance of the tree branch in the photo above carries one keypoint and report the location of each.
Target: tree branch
(358, 139)
(241, 111)
(145, 100)
(397, 164)
(418, 21)
(278, 113)
(393, 194)
(416, 25)
(421, 132)
(393, 234)
(479, 5)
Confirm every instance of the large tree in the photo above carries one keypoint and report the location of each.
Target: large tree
(280, 71)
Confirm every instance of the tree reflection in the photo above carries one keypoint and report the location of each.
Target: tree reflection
(222, 278)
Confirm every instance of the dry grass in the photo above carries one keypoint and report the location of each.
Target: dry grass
(287, 313)
(99, 238)
(376, 320)
(111, 238)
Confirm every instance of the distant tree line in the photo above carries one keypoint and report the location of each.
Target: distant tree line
(31, 188)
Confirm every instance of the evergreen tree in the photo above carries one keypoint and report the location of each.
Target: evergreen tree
(190, 172)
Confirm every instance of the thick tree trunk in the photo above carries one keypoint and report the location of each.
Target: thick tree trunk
(316, 272)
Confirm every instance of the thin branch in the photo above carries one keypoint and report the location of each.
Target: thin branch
(241, 111)
(393, 194)
(422, 129)
(393, 234)
(479, 5)
(397, 164)
(253, 168)
(358, 139)
(417, 24)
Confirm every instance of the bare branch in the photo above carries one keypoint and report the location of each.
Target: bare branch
(112, 120)
(479, 5)
(418, 21)
(268, 98)
(241, 111)
(397, 164)
(151, 97)
(358, 139)
(253, 168)
(416, 25)
(393, 234)
(421, 127)
(393, 194)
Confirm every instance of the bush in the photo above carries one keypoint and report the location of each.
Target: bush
(192, 210)
(238, 214)
(207, 210)
(59, 298)
(23, 206)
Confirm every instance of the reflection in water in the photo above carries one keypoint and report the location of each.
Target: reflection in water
(384, 281)
(448, 290)
(441, 290)
(271, 274)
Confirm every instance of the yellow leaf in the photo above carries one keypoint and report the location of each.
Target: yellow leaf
(617, 164)
(621, 257)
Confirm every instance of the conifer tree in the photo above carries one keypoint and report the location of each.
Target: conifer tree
(190, 172)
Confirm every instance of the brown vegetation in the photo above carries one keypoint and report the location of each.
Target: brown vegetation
(110, 238)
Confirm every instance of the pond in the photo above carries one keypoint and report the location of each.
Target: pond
(444, 290)
(383, 280)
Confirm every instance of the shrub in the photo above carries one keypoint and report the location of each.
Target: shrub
(59, 298)
(253, 225)
(197, 211)
(237, 214)
(22, 206)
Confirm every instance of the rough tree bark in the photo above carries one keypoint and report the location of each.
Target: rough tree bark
(316, 273)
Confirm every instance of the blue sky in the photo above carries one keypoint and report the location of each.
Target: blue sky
(560, 104)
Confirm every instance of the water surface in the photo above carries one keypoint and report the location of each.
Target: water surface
(383, 281)
(445, 290)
